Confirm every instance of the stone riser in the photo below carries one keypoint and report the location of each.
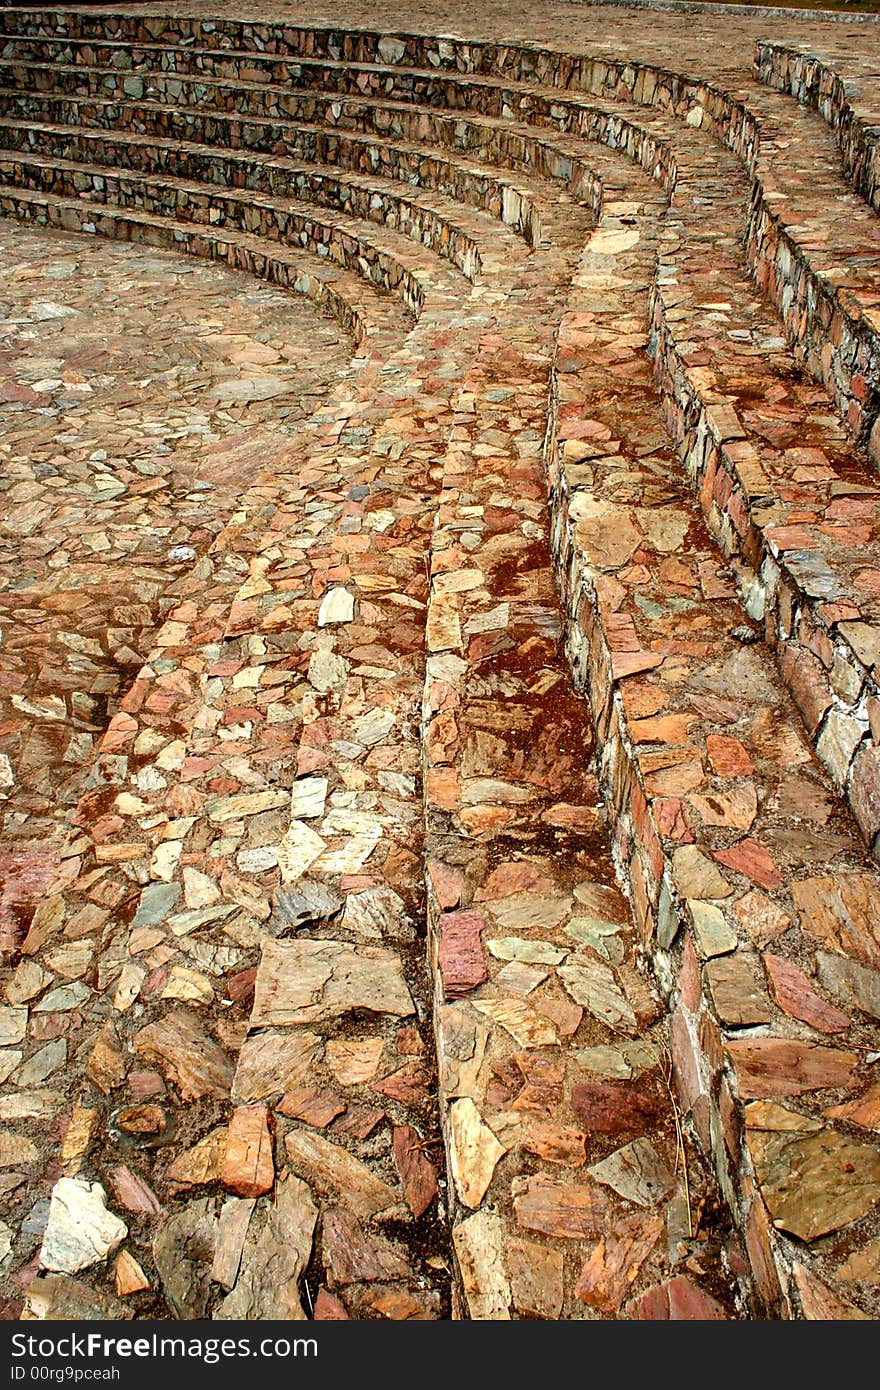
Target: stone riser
(609, 642)
(835, 689)
(510, 204)
(298, 229)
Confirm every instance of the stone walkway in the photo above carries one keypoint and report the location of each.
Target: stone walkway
(420, 901)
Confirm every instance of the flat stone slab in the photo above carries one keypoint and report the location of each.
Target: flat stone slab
(307, 981)
(815, 1183)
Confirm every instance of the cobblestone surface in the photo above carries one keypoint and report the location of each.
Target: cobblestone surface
(355, 965)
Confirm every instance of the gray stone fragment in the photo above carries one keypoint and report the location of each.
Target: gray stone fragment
(849, 981)
(57, 1298)
(276, 1252)
(183, 1250)
(298, 905)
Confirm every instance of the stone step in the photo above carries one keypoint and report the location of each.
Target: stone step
(827, 311)
(500, 144)
(364, 310)
(374, 166)
(395, 263)
(744, 866)
(559, 1124)
(833, 86)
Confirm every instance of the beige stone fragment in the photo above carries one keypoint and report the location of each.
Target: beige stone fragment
(479, 1243)
(443, 630)
(128, 986)
(29, 980)
(243, 804)
(529, 911)
(462, 1047)
(16, 1150)
(714, 937)
(77, 1138)
(275, 1254)
(189, 986)
(333, 1172)
(297, 851)
(202, 1163)
(518, 948)
(594, 986)
(536, 1279)
(198, 889)
(304, 980)
(308, 797)
(232, 1229)
(128, 1277)
(736, 807)
(337, 606)
(353, 1061)
(80, 1231)
(844, 912)
(13, 1025)
(696, 876)
(522, 1022)
(474, 1151)
(271, 1062)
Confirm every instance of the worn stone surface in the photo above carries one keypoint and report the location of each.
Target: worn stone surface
(301, 981)
(815, 1183)
(285, 621)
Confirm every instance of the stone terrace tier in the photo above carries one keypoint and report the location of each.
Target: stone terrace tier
(364, 966)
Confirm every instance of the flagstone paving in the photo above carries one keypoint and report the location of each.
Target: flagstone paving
(439, 665)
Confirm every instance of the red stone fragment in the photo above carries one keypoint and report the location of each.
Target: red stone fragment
(408, 1084)
(447, 883)
(751, 859)
(315, 1106)
(770, 1067)
(358, 1121)
(621, 1108)
(794, 993)
(615, 1262)
(328, 1308)
(462, 964)
(677, 1300)
(417, 1173)
(248, 1166)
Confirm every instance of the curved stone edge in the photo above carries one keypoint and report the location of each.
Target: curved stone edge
(812, 81)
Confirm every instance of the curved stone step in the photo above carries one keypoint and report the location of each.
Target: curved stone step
(745, 868)
(398, 265)
(367, 192)
(362, 309)
(849, 368)
(832, 86)
(441, 225)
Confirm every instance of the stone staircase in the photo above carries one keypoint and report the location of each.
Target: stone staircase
(388, 975)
